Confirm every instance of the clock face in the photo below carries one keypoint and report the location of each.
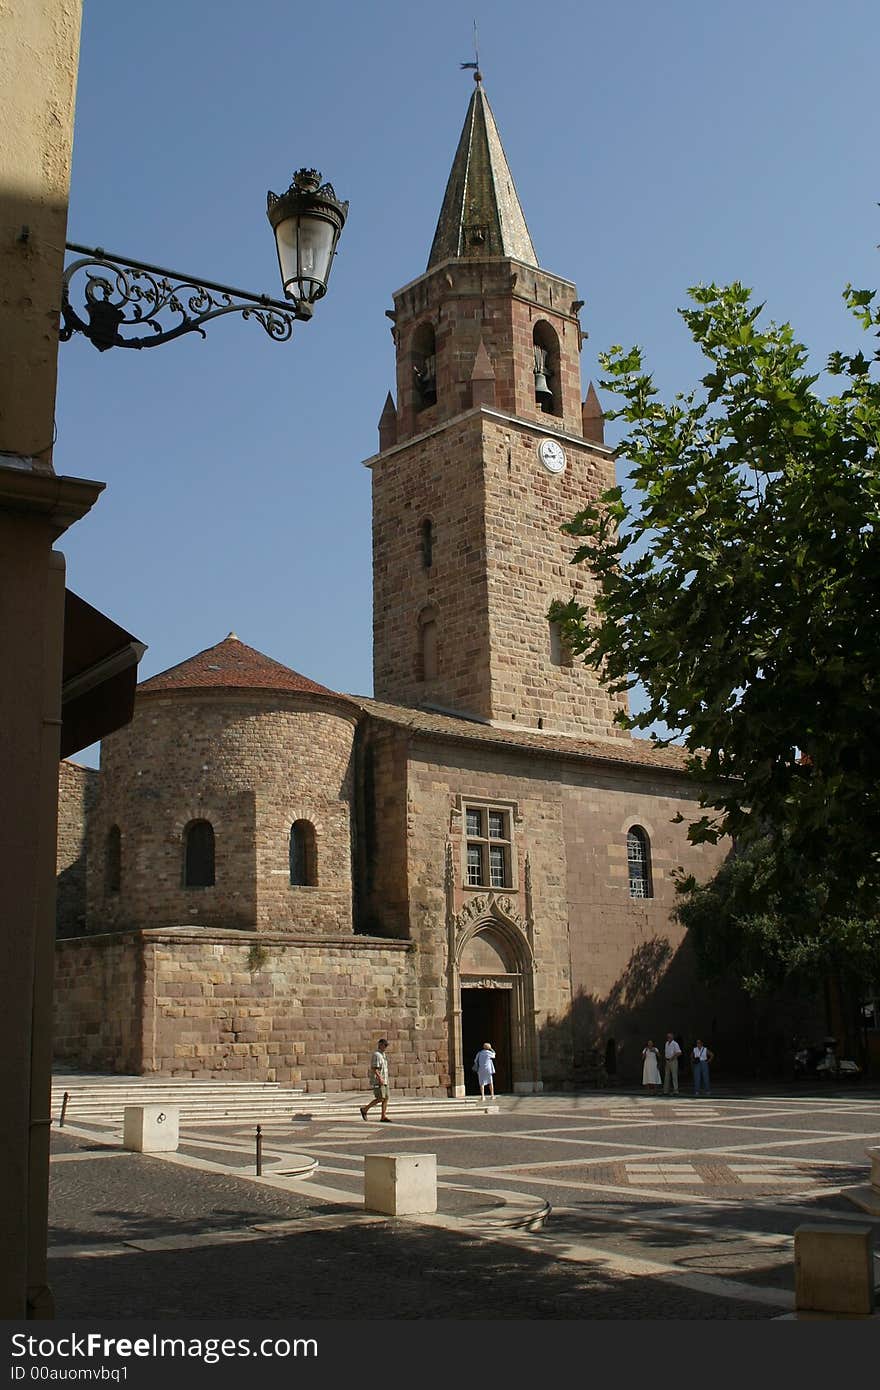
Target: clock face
(552, 455)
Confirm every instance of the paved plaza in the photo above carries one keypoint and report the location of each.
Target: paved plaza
(590, 1206)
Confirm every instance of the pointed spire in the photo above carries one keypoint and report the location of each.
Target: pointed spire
(388, 425)
(481, 213)
(483, 378)
(593, 417)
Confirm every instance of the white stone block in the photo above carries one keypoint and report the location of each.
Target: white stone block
(834, 1269)
(400, 1184)
(874, 1155)
(151, 1128)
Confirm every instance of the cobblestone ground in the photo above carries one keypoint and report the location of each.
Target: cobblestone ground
(660, 1211)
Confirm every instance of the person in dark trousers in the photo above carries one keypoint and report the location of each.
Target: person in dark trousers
(701, 1059)
(378, 1081)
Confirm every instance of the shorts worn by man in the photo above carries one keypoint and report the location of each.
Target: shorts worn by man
(378, 1081)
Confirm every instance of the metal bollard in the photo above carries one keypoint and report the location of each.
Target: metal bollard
(64, 1101)
(259, 1151)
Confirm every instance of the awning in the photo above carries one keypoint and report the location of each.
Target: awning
(99, 675)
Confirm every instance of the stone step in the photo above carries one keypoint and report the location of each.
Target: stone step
(102, 1100)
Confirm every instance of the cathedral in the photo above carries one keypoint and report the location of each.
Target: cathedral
(266, 875)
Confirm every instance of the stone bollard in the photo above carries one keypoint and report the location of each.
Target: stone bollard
(150, 1128)
(834, 1269)
(400, 1184)
(867, 1195)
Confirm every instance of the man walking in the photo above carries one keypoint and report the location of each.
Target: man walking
(672, 1052)
(378, 1081)
(702, 1058)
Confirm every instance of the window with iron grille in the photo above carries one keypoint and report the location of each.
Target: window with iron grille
(488, 847)
(638, 854)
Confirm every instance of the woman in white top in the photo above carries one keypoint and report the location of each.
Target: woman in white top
(650, 1068)
(484, 1065)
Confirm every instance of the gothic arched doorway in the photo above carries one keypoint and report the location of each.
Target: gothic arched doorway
(485, 1017)
(492, 997)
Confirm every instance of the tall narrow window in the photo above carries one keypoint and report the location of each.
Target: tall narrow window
(113, 860)
(548, 395)
(427, 544)
(560, 652)
(303, 855)
(427, 663)
(488, 847)
(424, 364)
(638, 854)
(198, 855)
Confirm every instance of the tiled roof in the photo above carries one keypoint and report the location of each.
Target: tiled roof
(231, 665)
(622, 751)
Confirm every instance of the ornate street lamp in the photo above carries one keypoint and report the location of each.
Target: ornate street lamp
(121, 293)
(307, 221)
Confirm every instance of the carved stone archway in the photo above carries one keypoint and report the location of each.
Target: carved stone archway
(489, 948)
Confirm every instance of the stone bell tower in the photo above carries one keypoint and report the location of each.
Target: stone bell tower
(487, 452)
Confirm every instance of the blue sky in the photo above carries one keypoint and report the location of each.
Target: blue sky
(653, 147)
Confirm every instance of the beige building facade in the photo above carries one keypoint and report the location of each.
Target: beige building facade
(276, 874)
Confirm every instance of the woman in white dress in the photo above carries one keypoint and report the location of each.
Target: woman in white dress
(651, 1067)
(484, 1064)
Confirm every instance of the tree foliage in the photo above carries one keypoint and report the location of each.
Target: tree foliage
(764, 918)
(739, 585)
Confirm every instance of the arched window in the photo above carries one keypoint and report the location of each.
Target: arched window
(638, 854)
(113, 860)
(303, 855)
(427, 657)
(198, 855)
(424, 364)
(560, 652)
(427, 535)
(548, 392)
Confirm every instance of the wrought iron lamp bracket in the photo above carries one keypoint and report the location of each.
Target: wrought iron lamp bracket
(122, 294)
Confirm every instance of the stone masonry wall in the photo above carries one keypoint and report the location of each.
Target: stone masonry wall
(438, 478)
(259, 1007)
(381, 847)
(77, 789)
(591, 939)
(499, 560)
(632, 977)
(439, 778)
(302, 769)
(98, 999)
(250, 764)
(529, 566)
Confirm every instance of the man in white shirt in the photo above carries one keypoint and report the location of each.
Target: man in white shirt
(702, 1058)
(378, 1081)
(672, 1052)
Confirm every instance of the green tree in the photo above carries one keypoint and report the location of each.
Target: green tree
(739, 586)
(765, 918)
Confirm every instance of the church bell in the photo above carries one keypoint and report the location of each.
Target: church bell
(543, 394)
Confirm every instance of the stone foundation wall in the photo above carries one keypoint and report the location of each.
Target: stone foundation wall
(258, 1006)
(98, 996)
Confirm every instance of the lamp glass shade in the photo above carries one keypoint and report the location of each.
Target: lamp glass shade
(305, 253)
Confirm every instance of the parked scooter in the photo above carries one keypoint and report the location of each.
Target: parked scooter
(823, 1063)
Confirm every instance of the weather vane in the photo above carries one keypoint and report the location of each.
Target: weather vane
(475, 66)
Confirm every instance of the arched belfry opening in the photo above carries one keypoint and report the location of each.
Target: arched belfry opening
(548, 384)
(492, 996)
(424, 365)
